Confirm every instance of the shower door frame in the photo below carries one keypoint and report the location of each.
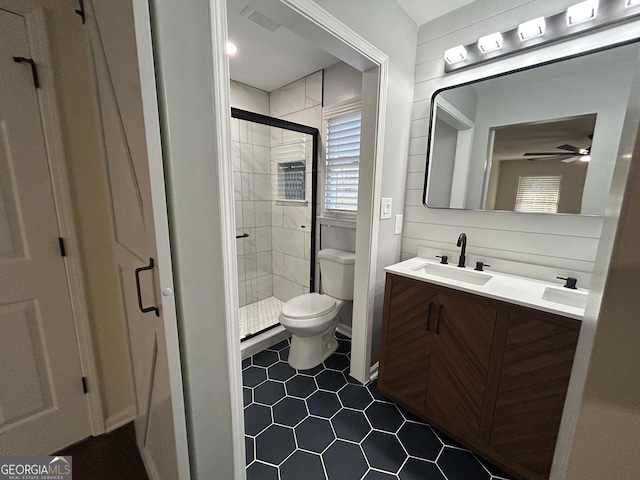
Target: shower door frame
(315, 134)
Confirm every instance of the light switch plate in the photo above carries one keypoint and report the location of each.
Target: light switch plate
(398, 230)
(385, 208)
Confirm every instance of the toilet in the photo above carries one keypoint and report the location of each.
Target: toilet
(312, 318)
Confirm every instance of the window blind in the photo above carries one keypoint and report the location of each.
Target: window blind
(538, 194)
(342, 163)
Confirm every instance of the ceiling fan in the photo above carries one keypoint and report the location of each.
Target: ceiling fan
(571, 154)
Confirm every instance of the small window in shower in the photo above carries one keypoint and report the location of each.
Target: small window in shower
(291, 180)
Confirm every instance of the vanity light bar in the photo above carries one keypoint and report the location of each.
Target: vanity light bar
(455, 54)
(579, 18)
(582, 12)
(490, 42)
(532, 28)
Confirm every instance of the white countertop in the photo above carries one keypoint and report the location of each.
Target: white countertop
(522, 291)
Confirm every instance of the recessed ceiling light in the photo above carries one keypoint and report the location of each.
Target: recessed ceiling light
(532, 28)
(490, 42)
(581, 12)
(455, 54)
(231, 48)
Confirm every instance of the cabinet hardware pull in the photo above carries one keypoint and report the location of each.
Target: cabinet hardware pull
(438, 322)
(429, 317)
(145, 309)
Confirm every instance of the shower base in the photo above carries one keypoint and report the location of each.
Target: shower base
(259, 316)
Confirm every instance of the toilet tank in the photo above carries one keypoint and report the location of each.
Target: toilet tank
(337, 268)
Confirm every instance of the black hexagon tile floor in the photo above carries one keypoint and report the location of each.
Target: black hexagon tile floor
(320, 424)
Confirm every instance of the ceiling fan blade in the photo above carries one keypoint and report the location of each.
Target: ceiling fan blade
(562, 157)
(542, 154)
(571, 159)
(570, 148)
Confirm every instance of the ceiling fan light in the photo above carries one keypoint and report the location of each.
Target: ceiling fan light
(585, 158)
(581, 12)
(532, 28)
(491, 42)
(455, 54)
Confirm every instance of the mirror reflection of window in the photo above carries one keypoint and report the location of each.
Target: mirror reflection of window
(542, 151)
(538, 194)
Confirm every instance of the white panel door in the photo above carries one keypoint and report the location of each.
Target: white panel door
(113, 48)
(42, 404)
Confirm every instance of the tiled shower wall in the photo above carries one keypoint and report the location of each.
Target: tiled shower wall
(275, 258)
(299, 102)
(251, 152)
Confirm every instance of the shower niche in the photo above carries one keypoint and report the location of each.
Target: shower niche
(274, 175)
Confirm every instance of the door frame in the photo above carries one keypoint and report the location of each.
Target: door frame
(197, 165)
(38, 43)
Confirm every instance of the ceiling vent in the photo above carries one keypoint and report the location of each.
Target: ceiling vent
(260, 18)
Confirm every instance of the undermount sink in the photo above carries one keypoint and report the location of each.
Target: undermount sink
(565, 296)
(454, 273)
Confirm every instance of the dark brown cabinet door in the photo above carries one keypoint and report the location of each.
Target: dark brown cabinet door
(407, 341)
(532, 387)
(460, 363)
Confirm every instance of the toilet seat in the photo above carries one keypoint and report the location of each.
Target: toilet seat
(310, 305)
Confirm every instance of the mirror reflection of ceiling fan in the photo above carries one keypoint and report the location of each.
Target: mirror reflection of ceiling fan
(571, 154)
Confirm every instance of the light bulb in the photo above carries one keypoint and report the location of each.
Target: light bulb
(490, 42)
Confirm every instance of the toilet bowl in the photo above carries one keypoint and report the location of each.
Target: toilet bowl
(312, 318)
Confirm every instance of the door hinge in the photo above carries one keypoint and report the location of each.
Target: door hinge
(34, 69)
(80, 11)
(85, 387)
(63, 250)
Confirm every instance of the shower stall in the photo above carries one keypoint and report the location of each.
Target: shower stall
(274, 175)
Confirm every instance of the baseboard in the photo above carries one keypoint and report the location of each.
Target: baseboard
(344, 329)
(374, 371)
(113, 422)
(148, 465)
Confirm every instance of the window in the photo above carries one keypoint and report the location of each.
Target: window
(538, 194)
(342, 128)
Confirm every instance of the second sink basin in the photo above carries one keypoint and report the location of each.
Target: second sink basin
(455, 273)
(565, 296)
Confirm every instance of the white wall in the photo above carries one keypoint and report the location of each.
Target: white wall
(606, 440)
(385, 25)
(342, 83)
(538, 245)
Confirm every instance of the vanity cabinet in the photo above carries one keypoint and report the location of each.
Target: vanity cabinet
(532, 386)
(463, 336)
(408, 339)
(437, 353)
(492, 375)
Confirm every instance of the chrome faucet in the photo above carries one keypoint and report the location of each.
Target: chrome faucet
(462, 242)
